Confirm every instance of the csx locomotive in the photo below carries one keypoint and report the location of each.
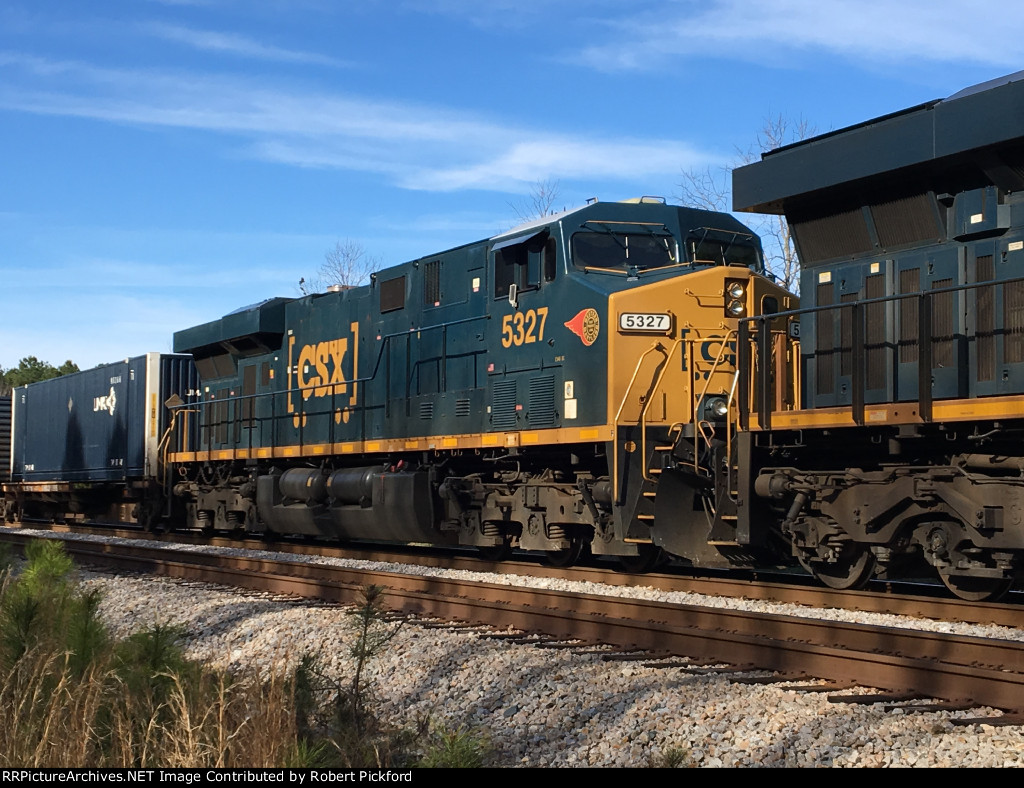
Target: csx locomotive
(906, 447)
(620, 379)
(532, 391)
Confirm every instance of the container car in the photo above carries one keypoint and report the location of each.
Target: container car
(90, 443)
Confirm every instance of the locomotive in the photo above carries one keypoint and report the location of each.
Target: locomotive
(566, 387)
(904, 449)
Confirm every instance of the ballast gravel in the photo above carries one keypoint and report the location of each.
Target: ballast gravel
(565, 707)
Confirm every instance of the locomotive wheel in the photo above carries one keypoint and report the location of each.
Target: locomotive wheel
(645, 560)
(852, 570)
(566, 557)
(976, 589)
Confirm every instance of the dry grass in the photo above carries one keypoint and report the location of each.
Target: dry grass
(70, 696)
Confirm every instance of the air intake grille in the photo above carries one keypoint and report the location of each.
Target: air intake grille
(907, 220)
(986, 329)
(839, 235)
(503, 405)
(910, 282)
(942, 324)
(1013, 321)
(824, 338)
(874, 332)
(542, 401)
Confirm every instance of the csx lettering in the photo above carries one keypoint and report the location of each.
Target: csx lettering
(325, 359)
(721, 355)
(711, 352)
(523, 328)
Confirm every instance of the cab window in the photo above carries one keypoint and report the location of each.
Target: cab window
(526, 265)
(623, 251)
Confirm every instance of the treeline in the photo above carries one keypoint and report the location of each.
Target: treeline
(31, 370)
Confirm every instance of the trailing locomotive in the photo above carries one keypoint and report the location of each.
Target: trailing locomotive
(906, 445)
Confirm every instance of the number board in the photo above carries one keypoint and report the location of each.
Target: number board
(656, 322)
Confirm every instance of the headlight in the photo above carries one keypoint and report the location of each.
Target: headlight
(715, 407)
(735, 290)
(736, 308)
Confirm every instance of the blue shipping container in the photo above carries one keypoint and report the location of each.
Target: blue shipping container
(99, 425)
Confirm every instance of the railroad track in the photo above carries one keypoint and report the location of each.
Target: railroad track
(927, 601)
(903, 666)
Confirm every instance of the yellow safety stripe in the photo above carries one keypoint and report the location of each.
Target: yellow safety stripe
(488, 440)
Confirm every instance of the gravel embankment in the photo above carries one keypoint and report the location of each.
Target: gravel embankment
(555, 707)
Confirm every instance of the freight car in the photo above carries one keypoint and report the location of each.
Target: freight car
(5, 440)
(906, 445)
(90, 444)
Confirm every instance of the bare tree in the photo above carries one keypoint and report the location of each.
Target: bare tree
(539, 204)
(347, 265)
(710, 189)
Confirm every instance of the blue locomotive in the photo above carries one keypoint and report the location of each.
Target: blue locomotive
(910, 230)
(524, 391)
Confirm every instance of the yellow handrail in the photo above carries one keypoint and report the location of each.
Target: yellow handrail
(642, 420)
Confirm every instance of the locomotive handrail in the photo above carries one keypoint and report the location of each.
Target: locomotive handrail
(657, 346)
(644, 405)
(298, 391)
(723, 343)
(857, 349)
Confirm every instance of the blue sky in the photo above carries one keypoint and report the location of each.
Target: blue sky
(164, 162)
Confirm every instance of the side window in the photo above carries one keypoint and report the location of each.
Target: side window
(509, 269)
(524, 265)
(550, 260)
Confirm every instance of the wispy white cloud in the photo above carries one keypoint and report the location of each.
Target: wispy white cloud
(417, 147)
(985, 32)
(509, 14)
(232, 44)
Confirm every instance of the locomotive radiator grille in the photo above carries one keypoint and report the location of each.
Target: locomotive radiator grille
(910, 282)
(986, 329)
(1013, 321)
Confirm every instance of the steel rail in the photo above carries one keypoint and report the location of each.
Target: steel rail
(910, 663)
(891, 597)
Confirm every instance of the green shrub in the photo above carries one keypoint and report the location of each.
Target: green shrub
(459, 749)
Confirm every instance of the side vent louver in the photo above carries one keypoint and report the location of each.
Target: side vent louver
(503, 405)
(542, 401)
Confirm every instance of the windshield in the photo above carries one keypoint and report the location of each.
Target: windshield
(623, 251)
(708, 246)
